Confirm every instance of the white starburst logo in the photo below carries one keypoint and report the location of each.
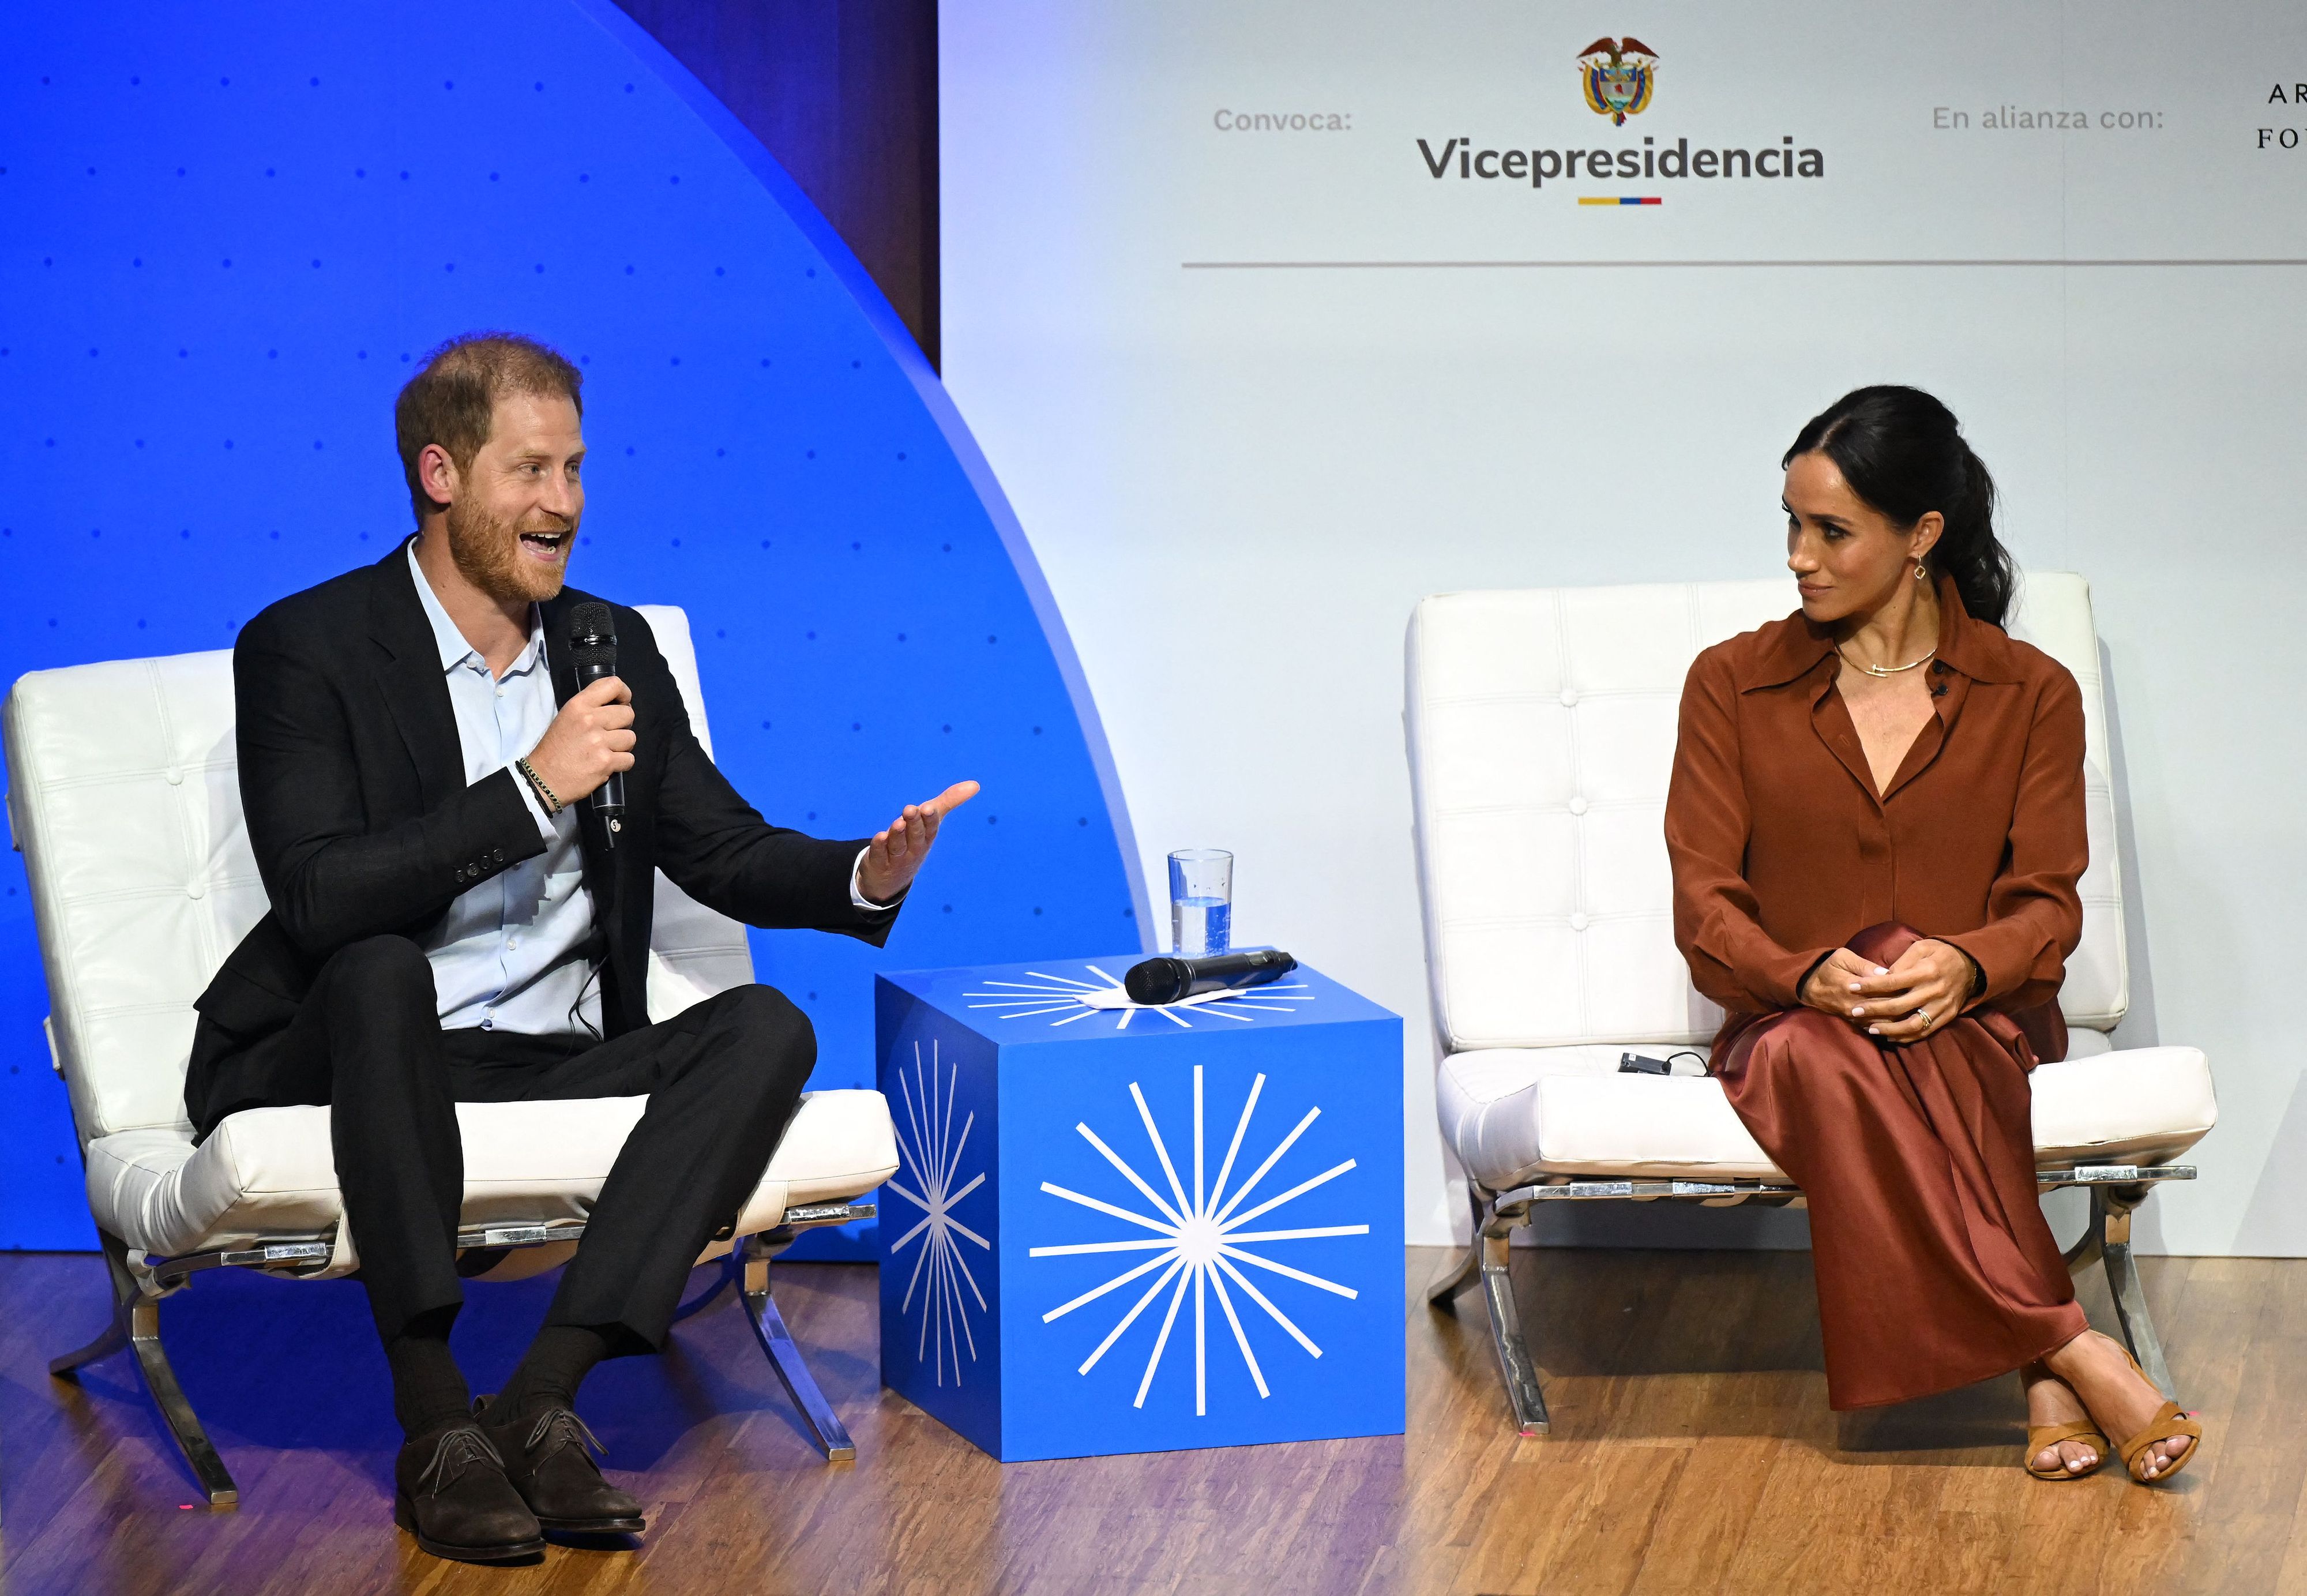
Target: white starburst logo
(1199, 1243)
(933, 1158)
(1071, 1000)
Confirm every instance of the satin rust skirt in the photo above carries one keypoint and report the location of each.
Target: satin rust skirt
(1934, 1265)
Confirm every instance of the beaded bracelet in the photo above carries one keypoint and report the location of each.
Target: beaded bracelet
(551, 804)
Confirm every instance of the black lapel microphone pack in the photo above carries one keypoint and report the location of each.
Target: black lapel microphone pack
(1174, 980)
(593, 649)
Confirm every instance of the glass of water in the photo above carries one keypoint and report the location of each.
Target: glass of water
(1201, 901)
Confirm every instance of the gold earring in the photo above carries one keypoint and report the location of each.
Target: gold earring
(1919, 570)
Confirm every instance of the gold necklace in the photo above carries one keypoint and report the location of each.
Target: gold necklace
(1876, 670)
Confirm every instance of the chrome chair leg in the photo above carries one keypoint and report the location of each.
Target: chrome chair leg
(115, 1339)
(1487, 1260)
(1505, 1330)
(1458, 1275)
(784, 1355)
(1462, 1273)
(2111, 1222)
(136, 1324)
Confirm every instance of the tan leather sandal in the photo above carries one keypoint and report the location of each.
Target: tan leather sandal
(2041, 1437)
(2170, 1420)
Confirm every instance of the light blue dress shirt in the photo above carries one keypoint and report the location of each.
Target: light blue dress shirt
(509, 953)
(508, 956)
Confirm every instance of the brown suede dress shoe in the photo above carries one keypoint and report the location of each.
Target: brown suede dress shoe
(452, 1492)
(548, 1458)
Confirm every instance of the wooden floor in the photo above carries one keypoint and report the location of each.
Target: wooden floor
(1693, 1452)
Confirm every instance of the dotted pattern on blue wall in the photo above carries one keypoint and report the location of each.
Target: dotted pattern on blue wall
(225, 238)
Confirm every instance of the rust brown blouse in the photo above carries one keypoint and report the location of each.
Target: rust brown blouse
(1782, 849)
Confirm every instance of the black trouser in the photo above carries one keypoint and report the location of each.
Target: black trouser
(722, 1080)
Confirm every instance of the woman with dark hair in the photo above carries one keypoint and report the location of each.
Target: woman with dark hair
(1876, 826)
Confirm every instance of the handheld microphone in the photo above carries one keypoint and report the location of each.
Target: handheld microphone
(1172, 980)
(593, 648)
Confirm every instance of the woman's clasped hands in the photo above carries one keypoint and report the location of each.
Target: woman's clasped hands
(1922, 993)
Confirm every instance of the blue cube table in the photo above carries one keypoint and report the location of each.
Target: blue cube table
(1122, 1229)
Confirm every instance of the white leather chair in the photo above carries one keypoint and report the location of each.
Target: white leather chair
(1541, 732)
(125, 798)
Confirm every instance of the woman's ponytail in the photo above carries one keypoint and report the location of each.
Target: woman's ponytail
(1970, 551)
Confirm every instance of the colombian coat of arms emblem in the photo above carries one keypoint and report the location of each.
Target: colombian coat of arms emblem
(1618, 76)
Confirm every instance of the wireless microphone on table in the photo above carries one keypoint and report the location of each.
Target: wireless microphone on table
(1172, 980)
(593, 647)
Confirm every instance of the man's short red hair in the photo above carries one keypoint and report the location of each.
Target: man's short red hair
(452, 399)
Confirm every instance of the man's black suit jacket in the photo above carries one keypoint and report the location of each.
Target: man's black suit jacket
(352, 780)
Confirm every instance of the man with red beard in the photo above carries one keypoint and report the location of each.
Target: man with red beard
(451, 923)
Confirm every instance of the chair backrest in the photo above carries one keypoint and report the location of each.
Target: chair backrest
(1542, 731)
(124, 795)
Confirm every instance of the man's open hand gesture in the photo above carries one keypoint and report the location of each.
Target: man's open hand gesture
(895, 856)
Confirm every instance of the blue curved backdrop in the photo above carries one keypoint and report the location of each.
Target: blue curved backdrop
(227, 231)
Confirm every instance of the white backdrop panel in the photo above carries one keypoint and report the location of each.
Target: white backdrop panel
(1238, 481)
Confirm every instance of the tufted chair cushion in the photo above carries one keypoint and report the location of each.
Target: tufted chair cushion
(1541, 729)
(124, 798)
